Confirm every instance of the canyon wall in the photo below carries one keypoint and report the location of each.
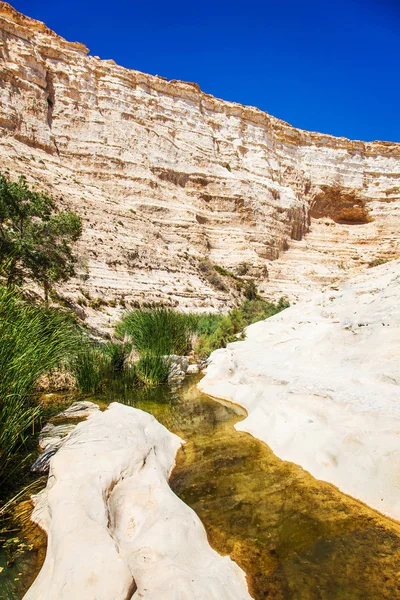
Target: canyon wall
(166, 176)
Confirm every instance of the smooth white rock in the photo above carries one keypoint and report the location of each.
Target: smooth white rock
(320, 382)
(113, 521)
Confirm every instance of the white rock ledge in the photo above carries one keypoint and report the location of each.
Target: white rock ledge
(115, 529)
(320, 382)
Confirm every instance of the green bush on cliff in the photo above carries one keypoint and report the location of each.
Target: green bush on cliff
(228, 328)
(35, 237)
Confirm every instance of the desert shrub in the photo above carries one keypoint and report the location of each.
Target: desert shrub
(242, 269)
(225, 272)
(257, 310)
(97, 303)
(377, 261)
(250, 291)
(204, 323)
(209, 272)
(227, 328)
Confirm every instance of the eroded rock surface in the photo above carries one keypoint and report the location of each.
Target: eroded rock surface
(321, 383)
(53, 436)
(115, 528)
(164, 175)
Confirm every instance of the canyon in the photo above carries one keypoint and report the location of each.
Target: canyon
(185, 199)
(170, 181)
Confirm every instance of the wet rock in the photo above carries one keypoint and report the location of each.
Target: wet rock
(81, 409)
(52, 435)
(42, 463)
(179, 365)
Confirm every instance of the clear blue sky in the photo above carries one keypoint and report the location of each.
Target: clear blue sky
(325, 65)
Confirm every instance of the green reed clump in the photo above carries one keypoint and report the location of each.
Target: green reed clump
(33, 340)
(117, 353)
(94, 365)
(158, 331)
(91, 367)
(152, 369)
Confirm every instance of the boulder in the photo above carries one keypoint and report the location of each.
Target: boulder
(115, 528)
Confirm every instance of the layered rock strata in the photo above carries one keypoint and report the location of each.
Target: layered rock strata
(164, 175)
(321, 382)
(115, 528)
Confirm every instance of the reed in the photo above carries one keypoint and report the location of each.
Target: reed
(152, 369)
(33, 340)
(91, 367)
(158, 331)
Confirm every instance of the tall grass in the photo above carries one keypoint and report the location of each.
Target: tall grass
(152, 369)
(94, 365)
(90, 367)
(158, 331)
(117, 354)
(33, 340)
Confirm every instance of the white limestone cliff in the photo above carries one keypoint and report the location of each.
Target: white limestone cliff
(164, 174)
(115, 528)
(320, 382)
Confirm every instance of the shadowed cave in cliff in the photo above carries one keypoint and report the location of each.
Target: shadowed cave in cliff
(343, 206)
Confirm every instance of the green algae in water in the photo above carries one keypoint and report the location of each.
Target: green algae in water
(296, 538)
(18, 565)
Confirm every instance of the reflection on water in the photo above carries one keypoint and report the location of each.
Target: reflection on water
(295, 537)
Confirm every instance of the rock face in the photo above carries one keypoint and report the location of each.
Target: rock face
(164, 175)
(321, 382)
(115, 528)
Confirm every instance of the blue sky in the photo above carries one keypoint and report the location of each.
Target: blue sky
(324, 65)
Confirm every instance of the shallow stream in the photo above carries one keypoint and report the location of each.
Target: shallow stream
(296, 538)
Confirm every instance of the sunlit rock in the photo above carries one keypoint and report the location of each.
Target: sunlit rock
(115, 528)
(321, 382)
